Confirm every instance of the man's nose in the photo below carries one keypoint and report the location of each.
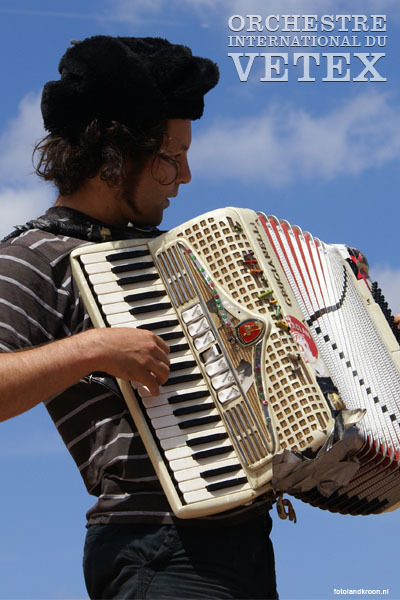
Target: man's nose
(184, 172)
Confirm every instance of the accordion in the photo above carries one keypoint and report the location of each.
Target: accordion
(253, 404)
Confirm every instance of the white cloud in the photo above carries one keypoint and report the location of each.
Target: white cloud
(18, 139)
(22, 195)
(18, 205)
(127, 10)
(307, 6)
(286, 143)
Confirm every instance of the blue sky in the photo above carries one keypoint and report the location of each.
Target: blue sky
(323, 155)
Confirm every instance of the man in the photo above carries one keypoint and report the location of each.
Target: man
(119, 133)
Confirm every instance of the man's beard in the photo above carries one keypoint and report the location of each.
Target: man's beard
(128, 187)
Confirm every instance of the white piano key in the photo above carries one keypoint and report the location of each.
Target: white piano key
(124, 317)
(171, 420)
(123, 306)
(182, 466)
(115, 308)
(116, 286)
(111, 298)
(195, 472)
(109, 276)
(194, 370)
(178, 387)
(106, 267)
(198, 483)
(203, 494)
(93, 257)
(167, 409)
(180, 440)
(182, 356)
(183, 451)
(120, 319)
(193, 313)
(162, 398)
(115, 296)
(159, 324)
(175, 431)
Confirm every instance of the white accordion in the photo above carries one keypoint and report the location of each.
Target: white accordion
(250, 408)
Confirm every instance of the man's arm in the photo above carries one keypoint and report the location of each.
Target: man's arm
(28, 377)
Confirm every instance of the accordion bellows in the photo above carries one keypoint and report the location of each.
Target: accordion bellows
(358, 343)
(256, 403)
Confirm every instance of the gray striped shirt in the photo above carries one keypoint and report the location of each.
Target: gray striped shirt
(39, 303)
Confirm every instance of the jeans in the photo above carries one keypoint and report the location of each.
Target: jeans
(178, 561)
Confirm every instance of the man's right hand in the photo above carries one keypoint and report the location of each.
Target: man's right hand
(135, 355)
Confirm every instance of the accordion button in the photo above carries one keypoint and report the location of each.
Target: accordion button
(228, 394)
(221, 381)
(198, 327)
(192, 313)
(216, 367)
(210, 354)
(204, 340)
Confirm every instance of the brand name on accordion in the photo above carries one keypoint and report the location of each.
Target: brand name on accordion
(279, 282)
(271, 265)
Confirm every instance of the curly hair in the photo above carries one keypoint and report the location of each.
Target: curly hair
(99, 149)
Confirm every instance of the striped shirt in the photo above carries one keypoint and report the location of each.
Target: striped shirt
(39, 303)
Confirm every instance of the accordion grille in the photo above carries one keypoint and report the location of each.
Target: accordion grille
(299, 409)
(223, 250)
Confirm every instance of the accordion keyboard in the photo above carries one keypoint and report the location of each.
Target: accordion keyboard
(183, 417)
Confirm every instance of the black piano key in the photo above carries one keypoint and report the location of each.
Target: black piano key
(145, 296)
(184, 364)
(211, 452)
(138, 310)
(220, 470)
(178, 348)
(183, 379)
(225, 484)
(172, 335)
(137, 279)
(132, 267)
(198, 422)
(205, 439)
(127, 254)
(187, 410)
(159, 325)
(188, 396)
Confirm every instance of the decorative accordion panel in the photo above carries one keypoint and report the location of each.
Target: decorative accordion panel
(240, 391)
(359, 343)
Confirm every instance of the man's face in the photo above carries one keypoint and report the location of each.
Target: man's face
(144, 198)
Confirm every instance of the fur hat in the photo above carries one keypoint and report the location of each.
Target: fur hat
(135, 81)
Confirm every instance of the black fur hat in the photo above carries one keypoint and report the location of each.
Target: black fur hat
(135, 81)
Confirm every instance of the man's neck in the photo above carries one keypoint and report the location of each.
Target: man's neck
(96, 199)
